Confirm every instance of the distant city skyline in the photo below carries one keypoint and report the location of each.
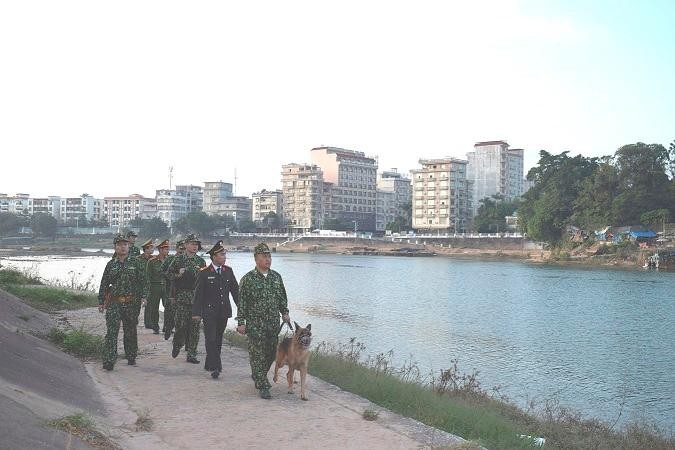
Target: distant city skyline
(90, 88)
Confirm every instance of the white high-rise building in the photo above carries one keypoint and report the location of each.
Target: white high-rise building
(494, 168)
(441, 195)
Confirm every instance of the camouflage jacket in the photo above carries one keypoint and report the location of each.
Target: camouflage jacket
(122, 279)
(261, 300)
(134, 251)
(191, 264)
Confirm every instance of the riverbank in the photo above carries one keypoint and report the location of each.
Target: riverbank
(633, 259)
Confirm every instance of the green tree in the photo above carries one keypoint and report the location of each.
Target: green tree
(593, 206)
(398, 224)
(246, 226)
(492, 214)
(154, 228)
(656, 218)
(43, 224)
(547, 208)
(197, 222)
(10, 223)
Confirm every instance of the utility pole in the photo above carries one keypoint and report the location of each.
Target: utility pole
(235, 181)
(170, 176)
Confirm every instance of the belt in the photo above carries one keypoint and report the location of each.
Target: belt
(123, 299)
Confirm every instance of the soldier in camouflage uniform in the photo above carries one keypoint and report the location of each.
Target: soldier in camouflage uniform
(144, 258)
(155, 287)
(133, 250)
(183, 270)
(262, 297)
(121, 286)
(169, 300)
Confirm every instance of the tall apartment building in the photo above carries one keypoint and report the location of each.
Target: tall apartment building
(303, 196)
(17, 204)
(173, 204)
(441, 195)
(394, 193)
(51, 205)
(73, 209)
(354, 184)
(120, 211)
(237, 207)
(215, 192)
(494, 168)
(265, 202)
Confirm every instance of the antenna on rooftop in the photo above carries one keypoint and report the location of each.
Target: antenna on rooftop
(170, 176)
(235, 181)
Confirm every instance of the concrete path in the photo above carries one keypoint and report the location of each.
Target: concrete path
(191, 410)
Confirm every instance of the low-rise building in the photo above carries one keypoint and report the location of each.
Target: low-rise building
(265, 202)
(120, 211)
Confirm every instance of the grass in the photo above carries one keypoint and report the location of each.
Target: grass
(456, 402)
(13, 276)
(82, 426)
(144, 422)
(79, 343)
(50, 299)
(370, 414)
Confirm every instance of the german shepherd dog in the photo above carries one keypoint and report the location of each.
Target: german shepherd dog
(294, 351)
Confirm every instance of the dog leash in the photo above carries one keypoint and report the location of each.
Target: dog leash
(281, 327)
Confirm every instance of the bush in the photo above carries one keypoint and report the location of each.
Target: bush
(52, 299)
(13, 276)
(78, 343)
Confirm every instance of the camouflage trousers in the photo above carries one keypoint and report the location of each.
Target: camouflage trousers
(187, 330)
(261, 353)
(169, 313)
(151, 314)
(114, 314)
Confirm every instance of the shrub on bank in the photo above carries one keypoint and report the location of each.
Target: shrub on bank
(13, 276)
(78, 343)
(51, 299)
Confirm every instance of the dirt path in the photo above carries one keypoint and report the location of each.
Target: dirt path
(191, 410)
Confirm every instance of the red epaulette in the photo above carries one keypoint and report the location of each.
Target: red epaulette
(204, 268)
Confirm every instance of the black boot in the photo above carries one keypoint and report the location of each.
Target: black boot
(167, 335)
(131, 362)
(192, 360)
(215, 374)
(108, 366)
(175, 352)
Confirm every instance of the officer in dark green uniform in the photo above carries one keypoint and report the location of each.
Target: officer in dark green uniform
(121, 287)
(155, 287)
(262, 298)
(143, 259)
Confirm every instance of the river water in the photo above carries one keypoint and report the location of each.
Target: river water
(600, 341)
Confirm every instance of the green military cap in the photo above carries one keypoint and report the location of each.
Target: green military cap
(216, 249)
(131, 233)
(147, 243)
(163, 244)
(120, 238)
(180, 243)
(261, 248)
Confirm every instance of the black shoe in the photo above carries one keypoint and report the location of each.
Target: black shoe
(167, 335)
(149, 327)
(265, 393)
(175, 352)
(192, 360)
(131, 362)
(215, 374)
(108, 366)
(155, 331)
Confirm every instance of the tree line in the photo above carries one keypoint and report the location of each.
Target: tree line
(635, 185)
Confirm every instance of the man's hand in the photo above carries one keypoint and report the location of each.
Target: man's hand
(196, 318)
(241, 329)
(144, 302)
(286, 318)
(101, 308)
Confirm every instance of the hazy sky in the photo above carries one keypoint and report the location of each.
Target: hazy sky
(102, 97)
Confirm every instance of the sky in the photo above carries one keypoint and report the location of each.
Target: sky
(104, 97)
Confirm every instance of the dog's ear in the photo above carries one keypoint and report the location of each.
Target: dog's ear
(309, 327)
(297, 327)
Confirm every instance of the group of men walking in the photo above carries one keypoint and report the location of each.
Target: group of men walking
(191, 292)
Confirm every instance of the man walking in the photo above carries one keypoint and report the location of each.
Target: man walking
(143, 259)
(262, 297)
(155, 287)
(121, 287)
(169, 301)
(133, 250)
(183, 271)
(215, 284)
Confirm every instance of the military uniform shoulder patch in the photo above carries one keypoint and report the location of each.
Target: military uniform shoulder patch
(201, 269)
